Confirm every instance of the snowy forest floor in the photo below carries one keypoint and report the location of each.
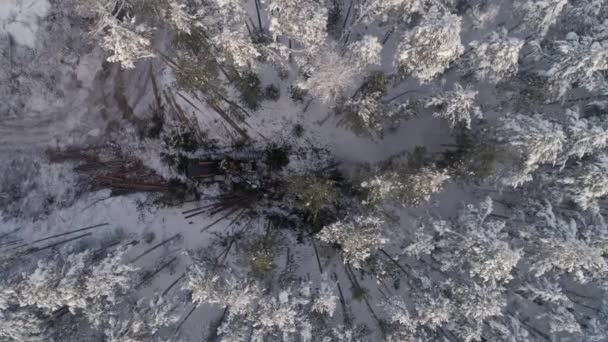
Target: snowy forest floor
(98, 104)
(59, 93)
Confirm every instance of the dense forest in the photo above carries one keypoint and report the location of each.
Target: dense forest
(303, 170)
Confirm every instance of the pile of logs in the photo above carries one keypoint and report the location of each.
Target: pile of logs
(112, 169)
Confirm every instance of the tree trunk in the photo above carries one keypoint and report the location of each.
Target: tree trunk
(257, 10)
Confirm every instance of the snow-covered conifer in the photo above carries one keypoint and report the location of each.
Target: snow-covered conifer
(541, 15)
(586, 13)
(585, 185)
(494, 58)
(326, 299)
(578, 61)
(22, 325)
(562, 320)
(223, 22)
(585, 135)
(427, 50)
(179, 18)
(507, 328)
(491, 261)
(366, 51)
(433, 310)
(409, 189)
(423, 244)
(545, 290)
(456, 106)
(280, 315)
(225, 289)
(476, 304)
(332, 76)
(484, 14)
(141, 322)
(358, 237)
(368, 110)
(581, 259)
(76, 281)
(477, 244)
(383, 11)
(398, 313)
(368, 114)
(537, 141)
(302, 21)
(127, 42)
(248, 305)
(79, 283)
(100, 10)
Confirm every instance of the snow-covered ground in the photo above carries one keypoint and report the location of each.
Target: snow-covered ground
(411, 252)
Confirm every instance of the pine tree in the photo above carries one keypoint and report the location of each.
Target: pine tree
(331, 76)
(456, 106)
(223, 23)
(127, 42)
(578, 60)
(302, 21)
(141, 322)
(585, 135)
(326, 300)
(494, 58)
(179, 17)
(541, 15)
(476, 304)
(22, 326)
(367, 114)
(358, 237)
(583, 260)
(224, 289)
(75, 281)
(248, 307)
(427, 50)
(365, 52)
(408, 189)
(535, 139)
(585, 185)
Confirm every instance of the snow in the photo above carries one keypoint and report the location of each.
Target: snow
(440, 266)
(19, 19)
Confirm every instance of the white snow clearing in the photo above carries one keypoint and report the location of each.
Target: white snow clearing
(19, 19)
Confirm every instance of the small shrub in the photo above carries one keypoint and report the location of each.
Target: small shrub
(148, 237)
(272, 93)
(261, 260)
(297, 94)
(153, 127)
(418, 158)
(313, 194)
(182, 140)
(358, 293)
(260, 256)
(177, 193)
(277, 157)
(374, 83)
(298, 130)
(177, 161)
(283, 74)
